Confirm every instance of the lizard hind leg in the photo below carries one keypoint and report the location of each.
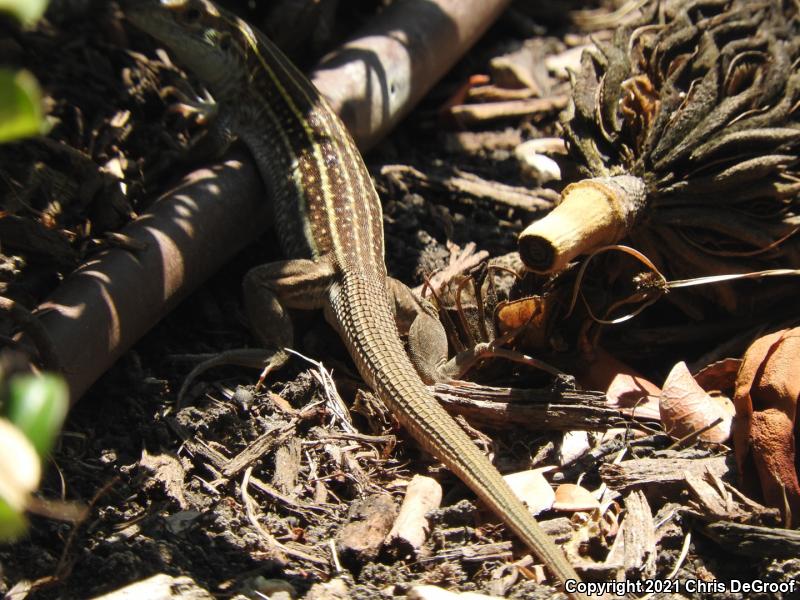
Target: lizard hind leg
(427, 340)
(269, 290)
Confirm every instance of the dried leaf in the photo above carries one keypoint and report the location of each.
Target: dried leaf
(518, 313)
(767, 391)
(719, 376)
(571, 497)
(532, 488)
(623, 385)
(685, 408)
(532, 313)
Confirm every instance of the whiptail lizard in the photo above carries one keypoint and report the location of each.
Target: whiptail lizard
(328, 219)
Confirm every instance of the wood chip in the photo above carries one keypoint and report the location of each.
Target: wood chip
(480, 553)
(265, 443)
(432, 592)
(533, 409)
(167, 471)
(372, 518)
(473, 142)
(411, 528)
(713, 499)
(750, 540)
(666, 474)
(160, 587)
(287, 466)
(573, 445)
(635, 545)
(475, 114)
(532, 488)
(469, 185)
(493, 93)
(336, 589)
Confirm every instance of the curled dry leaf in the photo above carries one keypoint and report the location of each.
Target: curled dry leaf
(572, 497)
(719, 376)
(767, 391)
(686, 407)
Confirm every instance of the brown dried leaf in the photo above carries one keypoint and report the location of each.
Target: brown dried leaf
(572, 497)
(532, 313)
(624, 386)
(719, 376)
(517, 313)
(767, 391)
(685, 408)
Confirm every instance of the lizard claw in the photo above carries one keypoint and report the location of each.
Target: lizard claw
(255, 358)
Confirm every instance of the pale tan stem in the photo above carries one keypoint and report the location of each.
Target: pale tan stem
(592, 213)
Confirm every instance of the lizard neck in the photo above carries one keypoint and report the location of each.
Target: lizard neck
(327, 206)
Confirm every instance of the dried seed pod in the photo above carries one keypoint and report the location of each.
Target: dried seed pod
(688, 129)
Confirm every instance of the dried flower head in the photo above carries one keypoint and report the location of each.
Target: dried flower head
(688, 126)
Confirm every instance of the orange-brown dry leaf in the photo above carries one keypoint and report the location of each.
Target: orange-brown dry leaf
(530, 313)
(685, 408)
(571, 497)
(624, 386)
(719, 376)
(516, 313)
(767, 392)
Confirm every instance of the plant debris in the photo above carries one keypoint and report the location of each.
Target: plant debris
(688, 126)
(302, 486)
(767, 393)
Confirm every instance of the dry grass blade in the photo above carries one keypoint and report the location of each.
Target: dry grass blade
(652, 289)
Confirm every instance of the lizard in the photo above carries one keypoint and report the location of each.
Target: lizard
(329, 222)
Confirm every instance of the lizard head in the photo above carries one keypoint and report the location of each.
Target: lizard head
(208, 41)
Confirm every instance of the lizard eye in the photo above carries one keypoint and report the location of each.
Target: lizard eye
(225, 42)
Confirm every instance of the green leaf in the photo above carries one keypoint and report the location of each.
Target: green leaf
(27, 11)
(20, 105)
(20, 472)
(38, 406)
(12, 522)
